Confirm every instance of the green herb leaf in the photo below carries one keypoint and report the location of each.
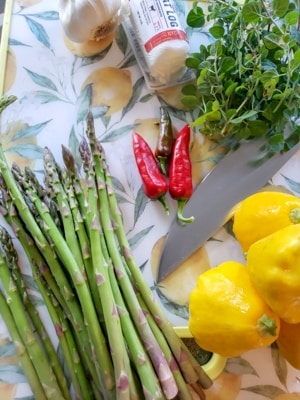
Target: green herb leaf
(217, 31)
(227, 64)
(195, 18)
(248, 80)
(292, 17)
(251, 12)
(280, 7)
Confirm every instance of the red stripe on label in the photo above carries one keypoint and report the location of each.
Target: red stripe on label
(172, 34)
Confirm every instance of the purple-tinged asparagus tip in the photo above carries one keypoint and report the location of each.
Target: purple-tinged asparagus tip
(68, 159)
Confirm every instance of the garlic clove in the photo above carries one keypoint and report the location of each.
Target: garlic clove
(84, 20)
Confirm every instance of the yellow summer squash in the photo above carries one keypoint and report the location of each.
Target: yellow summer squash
(274, 266)
(227, 316)
(263, 213)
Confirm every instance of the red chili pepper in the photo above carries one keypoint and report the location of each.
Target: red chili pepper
(180, 173)
(154, 183)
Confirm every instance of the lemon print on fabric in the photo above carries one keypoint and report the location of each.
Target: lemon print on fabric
(177, 286)
(172, 96)
(225, 387)
(111, 87)
(7, 391)
(148, 128)
(11, 143)
(204, 155)
(10, 70)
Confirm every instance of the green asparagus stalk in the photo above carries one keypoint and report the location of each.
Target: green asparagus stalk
(83, 236)
(184, 392)
(122, 369)
(160, 364)
(35, 350)
(5, 101)
(71, 350)
(25, 360)
(144, 369)
(77, 320)
(78, 189)
(78, 279)
(34, 316)
(44, 195)
(65, 335)
(60, 198)
(62, 292)
(66, 256)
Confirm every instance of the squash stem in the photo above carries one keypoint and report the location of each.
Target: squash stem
(267, 326)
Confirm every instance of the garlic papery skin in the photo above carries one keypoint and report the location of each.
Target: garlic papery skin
(84, 20)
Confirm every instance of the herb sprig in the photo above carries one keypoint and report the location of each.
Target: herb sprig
(247, 79)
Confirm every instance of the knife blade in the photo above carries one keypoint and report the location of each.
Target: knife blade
(235, 177)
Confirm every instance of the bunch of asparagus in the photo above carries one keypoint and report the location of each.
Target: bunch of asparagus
(115, 339)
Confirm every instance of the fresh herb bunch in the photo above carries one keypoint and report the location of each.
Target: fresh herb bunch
(247, 78)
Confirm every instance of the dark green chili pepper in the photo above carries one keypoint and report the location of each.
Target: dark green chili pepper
(164, 145)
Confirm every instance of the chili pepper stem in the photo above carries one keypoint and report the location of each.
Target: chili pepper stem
(181, 218)
(163, 201)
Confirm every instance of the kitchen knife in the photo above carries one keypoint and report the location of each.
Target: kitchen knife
(236, 176)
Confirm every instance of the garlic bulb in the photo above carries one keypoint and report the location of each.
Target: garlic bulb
(84, 20)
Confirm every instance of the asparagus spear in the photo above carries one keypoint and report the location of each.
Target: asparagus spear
(183, 392)
(60, 286)
(66, 256)
(34, 316)
(103, 361)
(78, 189)
(160, 364)
(5, 101)
(149, 382)
(60, 198)
(33, 346)
(25, 360)
(79, 217)
(124, 384)
(144, 368)
(56, 312)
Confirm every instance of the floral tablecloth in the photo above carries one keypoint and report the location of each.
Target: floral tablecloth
(53, 89)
